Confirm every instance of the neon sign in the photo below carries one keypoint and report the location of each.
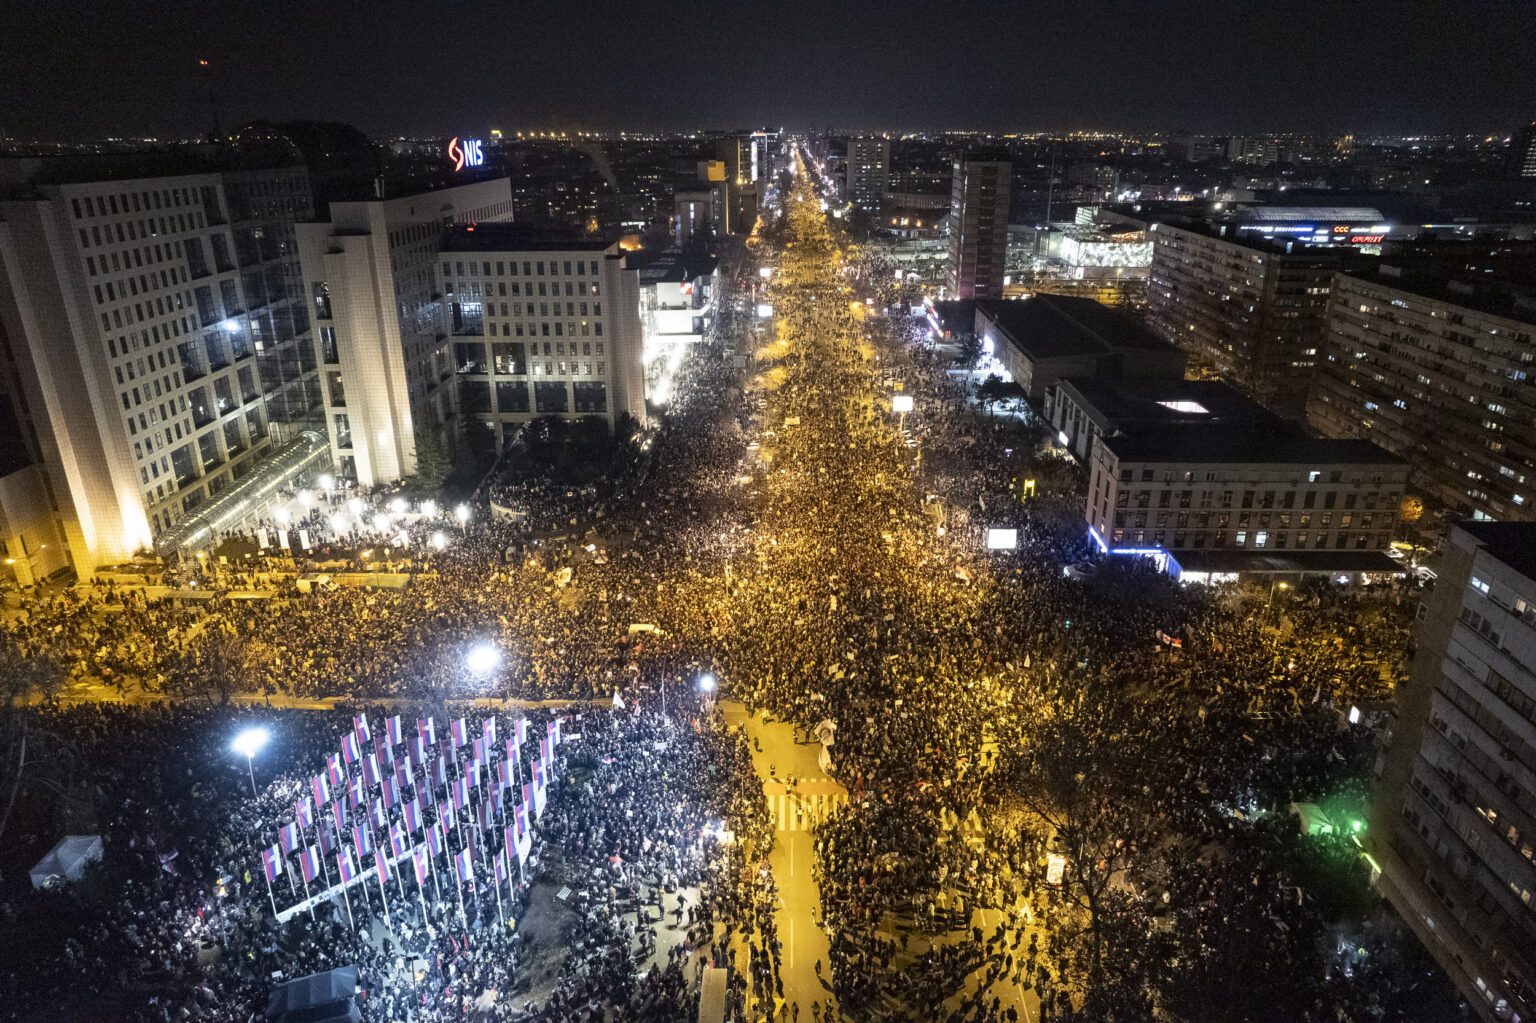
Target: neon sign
(1365, 239)
(467, 155)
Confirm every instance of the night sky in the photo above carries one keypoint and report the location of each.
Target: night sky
(75, 70)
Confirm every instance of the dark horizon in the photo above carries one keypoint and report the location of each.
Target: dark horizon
(409, 69)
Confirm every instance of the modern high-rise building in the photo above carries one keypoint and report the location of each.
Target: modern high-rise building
(383, 322)
(869, 170)
(1250, 310)
(1453, 824)
(153, 350)
(541, 326)
(978, 226)
(1432, 358)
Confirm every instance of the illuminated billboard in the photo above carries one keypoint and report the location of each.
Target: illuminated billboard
(1002, 539)
(468, 153)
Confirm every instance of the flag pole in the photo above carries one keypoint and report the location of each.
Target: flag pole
(351, 922)
(306, 895)
(270, 896)
(458, 886)
(499, 918)
(384, 894)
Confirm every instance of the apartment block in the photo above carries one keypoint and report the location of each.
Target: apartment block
(978, 226)
(1433, 361)
(1453, 823)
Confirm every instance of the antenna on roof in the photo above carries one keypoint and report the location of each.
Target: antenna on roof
(213, 107)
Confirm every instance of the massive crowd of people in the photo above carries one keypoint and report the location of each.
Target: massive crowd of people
(991, 713)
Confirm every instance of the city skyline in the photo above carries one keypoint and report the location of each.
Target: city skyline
(134, 70)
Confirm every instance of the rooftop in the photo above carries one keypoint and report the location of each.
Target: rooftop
(1497, 278)
(1048, 326)
(504, 237)
(1272, 442)
(1131, 405)
(1513, 543)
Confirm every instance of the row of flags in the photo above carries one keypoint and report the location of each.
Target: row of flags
(383, 784)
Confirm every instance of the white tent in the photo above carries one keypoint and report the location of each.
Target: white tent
(66, 861)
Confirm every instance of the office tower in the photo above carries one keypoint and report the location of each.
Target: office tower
(154, 360)
(1454, 819)
(869, 170)
(978, 225)
(542, 325)
(1249, 309)
(382, 324)
(1524, 151)
(1430, 356)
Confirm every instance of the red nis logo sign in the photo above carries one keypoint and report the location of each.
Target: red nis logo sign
(465, 154)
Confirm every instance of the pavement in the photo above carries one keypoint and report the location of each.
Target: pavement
(794, 850)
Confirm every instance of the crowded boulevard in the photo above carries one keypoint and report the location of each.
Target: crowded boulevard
(737, 718)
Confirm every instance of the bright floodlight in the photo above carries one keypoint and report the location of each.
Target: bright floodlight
(327, 482)
(305, 498)
(281, 515)
(380, 524)
(439, 541)
(355, 506)
(398, 506)
(338, 524)
(429, 508)
(1002, 539)
(481, 658)
(250, 741)
(707, 683)
(901, 403)
(461, 513)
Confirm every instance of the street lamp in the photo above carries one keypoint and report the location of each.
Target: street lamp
(482, 658)
(462, 514)
(1272, 587)
(249, 742)
(706, 683)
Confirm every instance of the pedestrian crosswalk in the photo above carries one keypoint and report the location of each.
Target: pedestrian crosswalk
(798, 812)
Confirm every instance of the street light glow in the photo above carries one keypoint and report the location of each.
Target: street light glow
(482, 658)
(327, 482)
(250, 741)
(429, 508)
(707, 683)
(461, 513)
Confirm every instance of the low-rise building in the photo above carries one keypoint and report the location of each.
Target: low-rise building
(677, 294)
(1039, 340)
(1221, 499)
(1453, 824)
(1083, 409)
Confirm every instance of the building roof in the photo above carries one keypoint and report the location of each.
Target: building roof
(1513, 543)
(1288, 214)
(507, 237)
(1052, 326)
(670, 265)
(1491, 278)
(1274, 443)
(1126, 406)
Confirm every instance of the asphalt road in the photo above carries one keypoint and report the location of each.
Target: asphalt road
(794, 850)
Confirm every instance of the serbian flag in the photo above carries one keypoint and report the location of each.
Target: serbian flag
(481, 749)
(339, 814)
(539, 797)
(363, 839)
(321, 789)
(520, 731)
(371, 769)
(483, 815)
(521, 817)
(435, 837)
(512, 750)
(498, 800)
(383, 865)
(460, 732)
(327, 841)
(272, 862)
(488, 726)
(309, 863)
(404, 776)
(335, 770)
(472, 842)
(412, 814)
(288, 838)
(527, 793)
(417, 750)
(419, 861)
(555, 731)
(501, 866)
(546, 749)
(350, 748)
(464, 865)
(385, 751)
(346, 866)
(357, 792)
(472, 773)
(397, 843)
(460, 793)
(552, 731)
(538, 775)
(509, 837)
(391, 792)
(380, 818)
(426, 730)
(360, 727)
(428, 794)
(503, 775)
(305, 812)
(440, 772)
(392, 729)
(445, 814)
